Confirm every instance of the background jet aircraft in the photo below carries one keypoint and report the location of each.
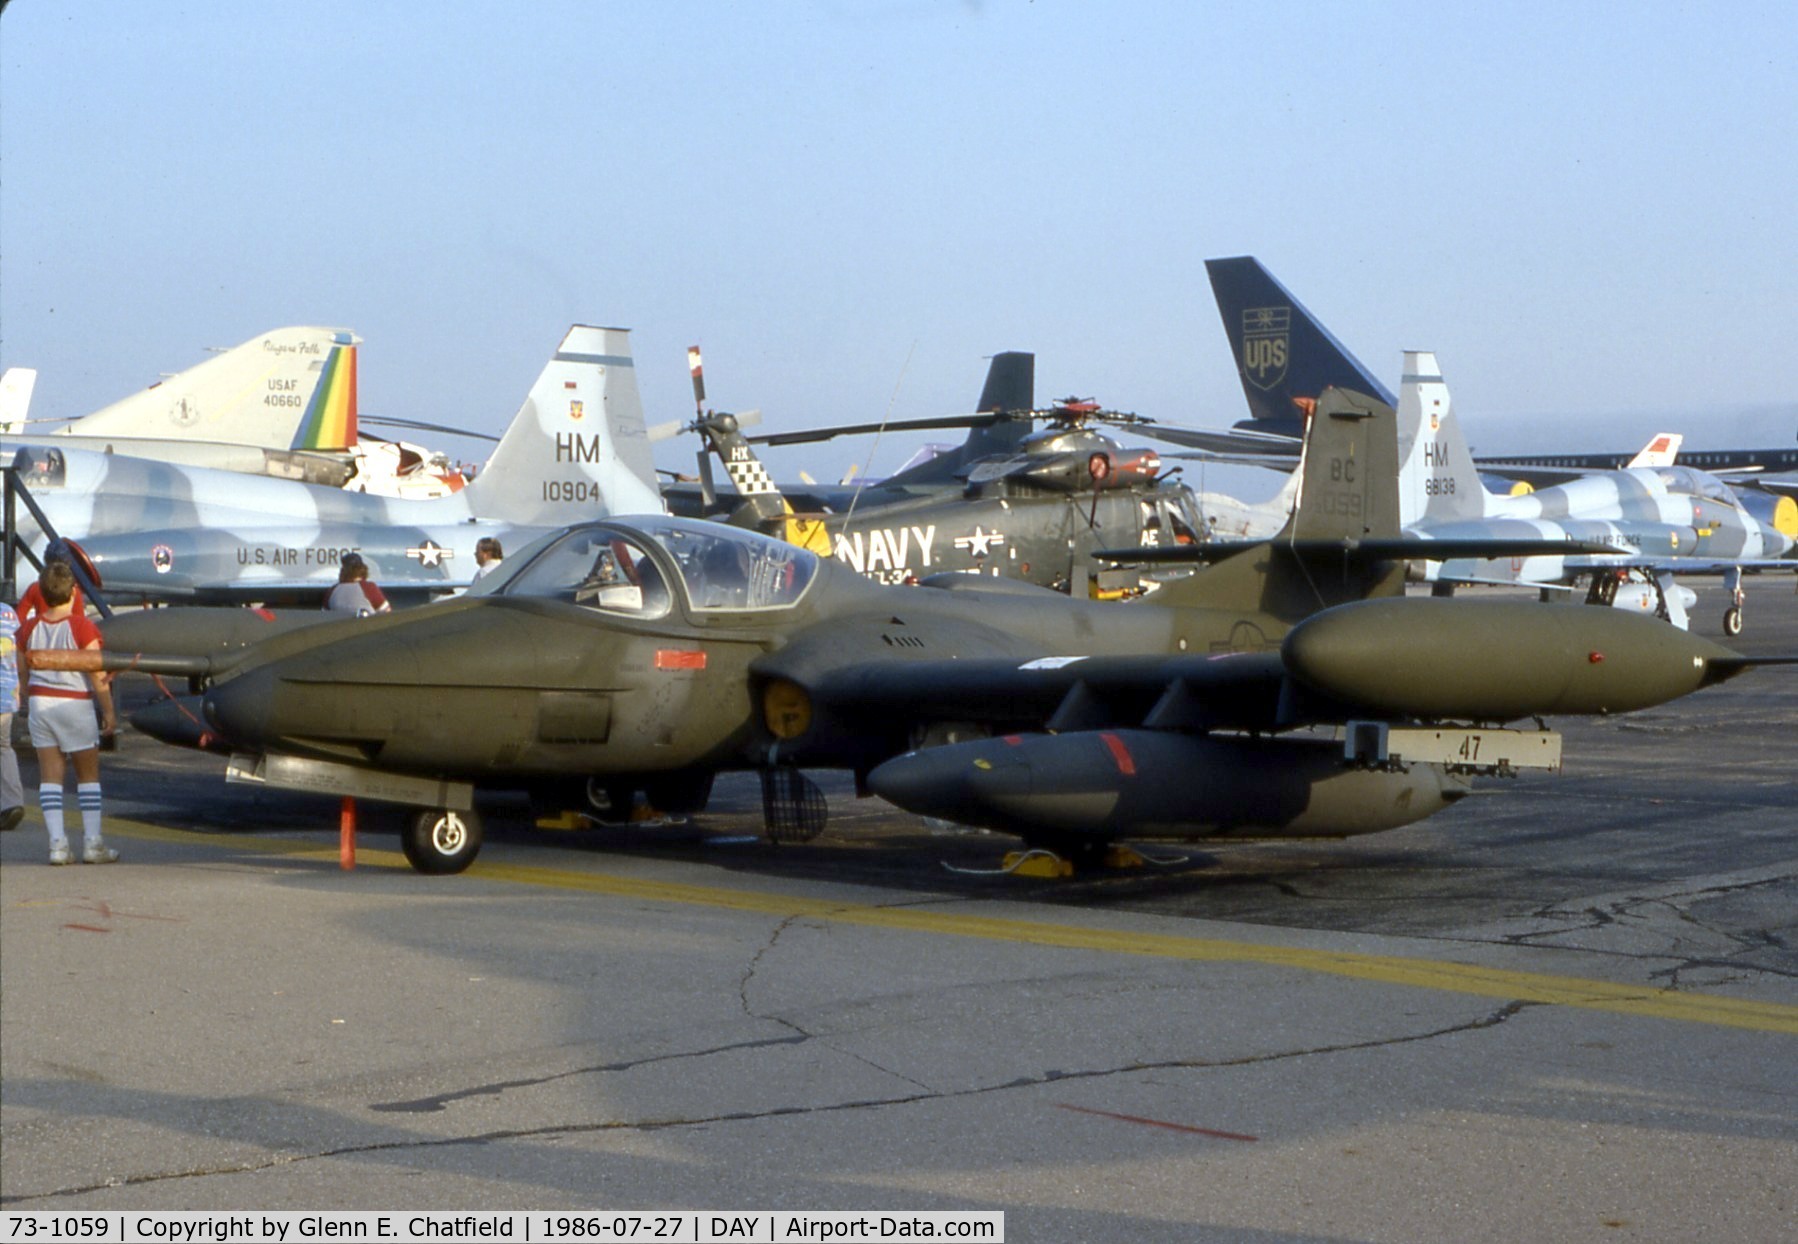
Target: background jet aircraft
(649, 654)
(282, 404)
(576, 449)
(1286, 358)
(1662, 520)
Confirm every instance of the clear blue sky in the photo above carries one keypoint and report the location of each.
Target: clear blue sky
(1585, 209)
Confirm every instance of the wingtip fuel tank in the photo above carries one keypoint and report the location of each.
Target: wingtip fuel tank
(1497, 660)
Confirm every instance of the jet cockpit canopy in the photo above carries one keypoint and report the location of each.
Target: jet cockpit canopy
(628, 567)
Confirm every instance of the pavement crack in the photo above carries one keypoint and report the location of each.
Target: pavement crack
(1041, 1079)
(440, 1101)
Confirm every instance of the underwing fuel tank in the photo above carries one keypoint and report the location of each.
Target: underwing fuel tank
(1155, 784)
(1498, 660)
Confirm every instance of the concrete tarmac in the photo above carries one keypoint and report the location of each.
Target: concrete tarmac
(1567, 1009)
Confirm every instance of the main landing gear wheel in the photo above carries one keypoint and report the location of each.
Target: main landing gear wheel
(442, 840)
(1732, 620)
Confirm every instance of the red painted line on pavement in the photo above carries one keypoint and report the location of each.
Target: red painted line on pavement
(1172, 1127)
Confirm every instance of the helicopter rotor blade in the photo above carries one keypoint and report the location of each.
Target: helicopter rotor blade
(708, 491)
(696, 365)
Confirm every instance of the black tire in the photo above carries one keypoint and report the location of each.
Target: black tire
(442, 840)
(1732, 620)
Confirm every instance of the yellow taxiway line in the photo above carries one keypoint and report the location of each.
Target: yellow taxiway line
(1438, 974)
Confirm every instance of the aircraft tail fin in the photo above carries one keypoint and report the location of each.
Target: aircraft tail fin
(1659, 452)
(578, 448)
(330, 422)
(1010, 386)
(762, 502)
(1284, 355)
(1347, 493)
(262, 393)
(16, 384)
(1438, 480)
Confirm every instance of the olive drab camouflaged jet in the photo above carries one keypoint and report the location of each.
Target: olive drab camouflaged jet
(576, 450)
(1287, 690)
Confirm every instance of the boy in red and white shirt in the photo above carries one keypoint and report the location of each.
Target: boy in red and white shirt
(62, 715)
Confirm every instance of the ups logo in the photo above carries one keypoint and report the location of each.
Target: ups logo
(1266, 345)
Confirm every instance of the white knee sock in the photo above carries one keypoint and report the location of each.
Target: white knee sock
(87, 794)
(49, 798)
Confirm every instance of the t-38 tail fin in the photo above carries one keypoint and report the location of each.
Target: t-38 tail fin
(577, 449)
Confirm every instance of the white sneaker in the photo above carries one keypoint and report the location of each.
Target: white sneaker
(62, 855)
(97, 853)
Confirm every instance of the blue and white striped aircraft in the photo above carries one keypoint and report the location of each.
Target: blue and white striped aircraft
(1663, 520)
(576, 450)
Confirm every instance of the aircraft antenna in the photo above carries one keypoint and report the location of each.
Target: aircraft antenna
(856, 497)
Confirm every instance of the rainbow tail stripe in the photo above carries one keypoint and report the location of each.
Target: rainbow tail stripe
(330, 422)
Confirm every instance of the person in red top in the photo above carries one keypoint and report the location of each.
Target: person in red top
(62, 715)
(355, 592)
(32, 602)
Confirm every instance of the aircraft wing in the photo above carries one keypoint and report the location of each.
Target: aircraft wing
(1405, 548)
(1187, 690)
(183, 589)
(1230, 445)
(1682, 565)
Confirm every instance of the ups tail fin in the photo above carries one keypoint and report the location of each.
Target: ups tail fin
(1438, 481)
(578, 448)
(293, 388)
(1347, 492)
(16, 384)
(1284, 354)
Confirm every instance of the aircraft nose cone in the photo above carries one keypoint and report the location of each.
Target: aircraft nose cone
(945, 782)
(238, 710)
(954, 782)
(1011, 783)
(177, 721)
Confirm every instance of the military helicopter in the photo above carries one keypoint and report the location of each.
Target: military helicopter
(1023, 502)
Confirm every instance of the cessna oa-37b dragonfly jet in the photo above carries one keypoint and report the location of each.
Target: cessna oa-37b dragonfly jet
(651, 654)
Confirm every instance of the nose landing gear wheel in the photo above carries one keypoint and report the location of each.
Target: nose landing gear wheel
(442, 840)
(1732, 620)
